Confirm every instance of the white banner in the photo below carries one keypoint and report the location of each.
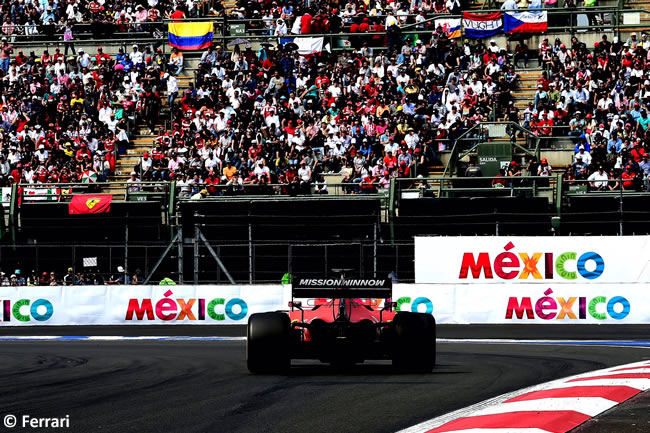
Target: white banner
(531, 303)
(6, 196)
(138, 305)
(41, 194)
(542, 259)
(309, 46)
(214, 305)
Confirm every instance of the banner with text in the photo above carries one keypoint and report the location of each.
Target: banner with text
(137, 305)
(541, 259)
(530, 303)
(214, 305)
(482, 25)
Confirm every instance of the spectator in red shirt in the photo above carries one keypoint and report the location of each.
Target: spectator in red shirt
(638, 152)
(628, 177)
(57, 55)
(390, 161)
(178, 14)
(317, 25)
(211, 183)
(305, 23)
(82, 153)
(101, 56)
(364, 27)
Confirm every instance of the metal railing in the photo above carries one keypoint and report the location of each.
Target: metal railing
(315, 189)
(63, 192)
(567, 17)
(484, 186)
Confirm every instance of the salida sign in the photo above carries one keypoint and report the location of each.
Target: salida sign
(543, 260)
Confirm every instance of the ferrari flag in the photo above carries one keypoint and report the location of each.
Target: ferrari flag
(482, 25)
(525, 22)
(85, 204)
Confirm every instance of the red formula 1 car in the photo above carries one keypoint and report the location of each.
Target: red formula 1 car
(342, 327)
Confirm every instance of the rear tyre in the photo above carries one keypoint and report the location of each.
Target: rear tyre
(267, 343)
(414, 344)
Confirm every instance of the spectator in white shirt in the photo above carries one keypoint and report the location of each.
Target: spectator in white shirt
(586, 156)
(598, 180)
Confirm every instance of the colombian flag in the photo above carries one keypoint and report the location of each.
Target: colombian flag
(190, 36)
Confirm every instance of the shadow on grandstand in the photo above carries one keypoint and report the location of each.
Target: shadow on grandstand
(51, 222)
(601, 215)
(470, 216)
(302, 220)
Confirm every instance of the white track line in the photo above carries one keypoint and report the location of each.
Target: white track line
(562, 342)
(640, 384)
(501, 430)
(115, 338)
(591, 406)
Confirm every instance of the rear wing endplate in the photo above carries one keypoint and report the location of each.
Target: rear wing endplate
(338, 288)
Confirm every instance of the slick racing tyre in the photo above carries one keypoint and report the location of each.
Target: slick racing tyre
(414, 343)
(267, 349)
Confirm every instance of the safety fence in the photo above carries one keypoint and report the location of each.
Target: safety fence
(556, 189)
(63, 192)
(252, 262)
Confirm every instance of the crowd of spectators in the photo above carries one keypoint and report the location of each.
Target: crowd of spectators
(49, 20)
(71, 278)
(598, 96)
(271, 116)
(273, 120)
(65, 119)
(289, 17)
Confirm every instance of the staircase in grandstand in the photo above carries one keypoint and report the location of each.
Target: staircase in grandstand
(142, 142)
(644, 7)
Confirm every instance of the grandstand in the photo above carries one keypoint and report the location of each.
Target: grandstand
(301, 161)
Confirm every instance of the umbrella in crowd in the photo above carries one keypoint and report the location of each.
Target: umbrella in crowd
(238, 41)
(89, 177)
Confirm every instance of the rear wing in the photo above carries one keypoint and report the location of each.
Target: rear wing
(338, 288)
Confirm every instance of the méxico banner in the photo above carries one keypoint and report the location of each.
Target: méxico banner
(482, 25)
(137, 305)
(530, 303)
(215, 305)
(525, 22)
(542, 259)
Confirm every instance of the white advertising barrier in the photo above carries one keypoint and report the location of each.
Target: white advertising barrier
(137, 305)
(531, 303)
(542, 259)
(561, 304)
(214, 305)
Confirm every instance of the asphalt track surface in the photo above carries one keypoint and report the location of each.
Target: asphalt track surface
(203, 386)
